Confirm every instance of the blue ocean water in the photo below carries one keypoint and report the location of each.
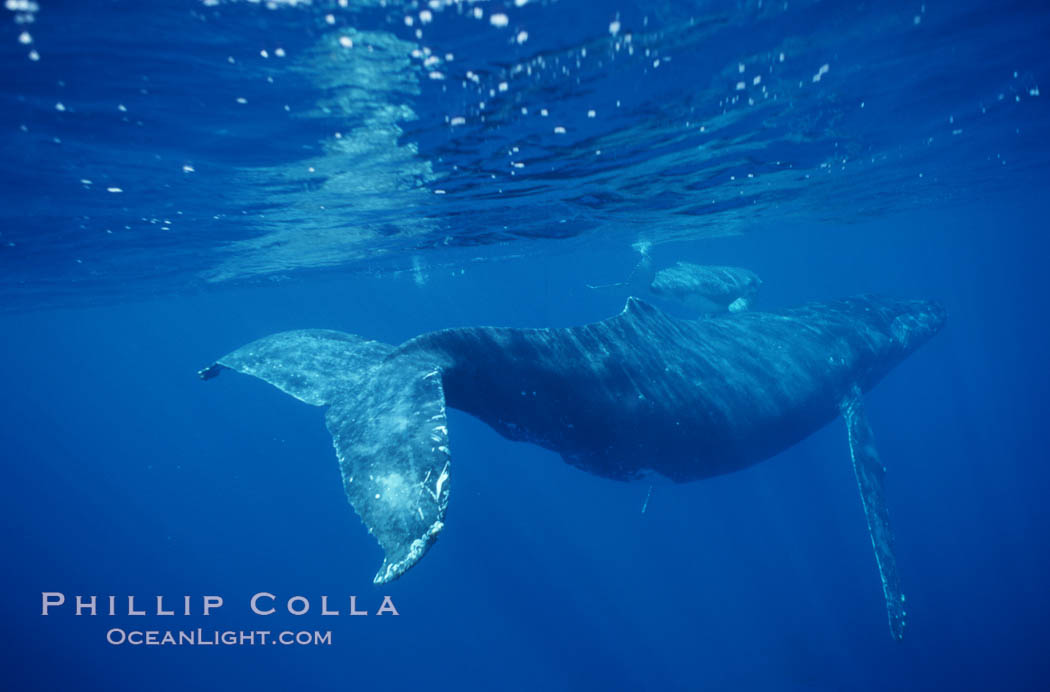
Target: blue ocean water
(180, 178)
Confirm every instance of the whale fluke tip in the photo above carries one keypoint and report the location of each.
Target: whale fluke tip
(210, 372)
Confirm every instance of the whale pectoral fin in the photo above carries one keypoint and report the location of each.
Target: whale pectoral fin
(870, 472)
(392, 444)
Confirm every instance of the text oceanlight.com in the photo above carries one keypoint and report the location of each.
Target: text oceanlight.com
(202, 637)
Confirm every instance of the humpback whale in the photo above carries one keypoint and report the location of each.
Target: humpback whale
(699, 287)
(724, 288)
(637, 393)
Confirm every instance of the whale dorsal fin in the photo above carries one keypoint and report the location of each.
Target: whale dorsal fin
(870, 472)
(641, 310)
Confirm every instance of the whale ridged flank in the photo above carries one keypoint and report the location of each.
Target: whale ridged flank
(639, 392)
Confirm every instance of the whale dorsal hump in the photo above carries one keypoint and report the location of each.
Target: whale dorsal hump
(638, 309)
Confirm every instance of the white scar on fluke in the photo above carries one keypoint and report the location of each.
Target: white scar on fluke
(637, 393)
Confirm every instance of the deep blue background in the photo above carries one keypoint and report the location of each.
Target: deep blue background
(127, 475)
(916, 166)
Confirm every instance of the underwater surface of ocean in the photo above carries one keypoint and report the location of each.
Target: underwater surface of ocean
(179, 178)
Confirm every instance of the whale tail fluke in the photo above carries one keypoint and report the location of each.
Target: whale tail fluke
(386, 415)
(314, 365)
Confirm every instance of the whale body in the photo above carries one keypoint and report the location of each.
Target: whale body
(636, 393)
(707, 288)
(698, 288)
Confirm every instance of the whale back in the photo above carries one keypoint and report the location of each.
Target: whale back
(647, 391)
